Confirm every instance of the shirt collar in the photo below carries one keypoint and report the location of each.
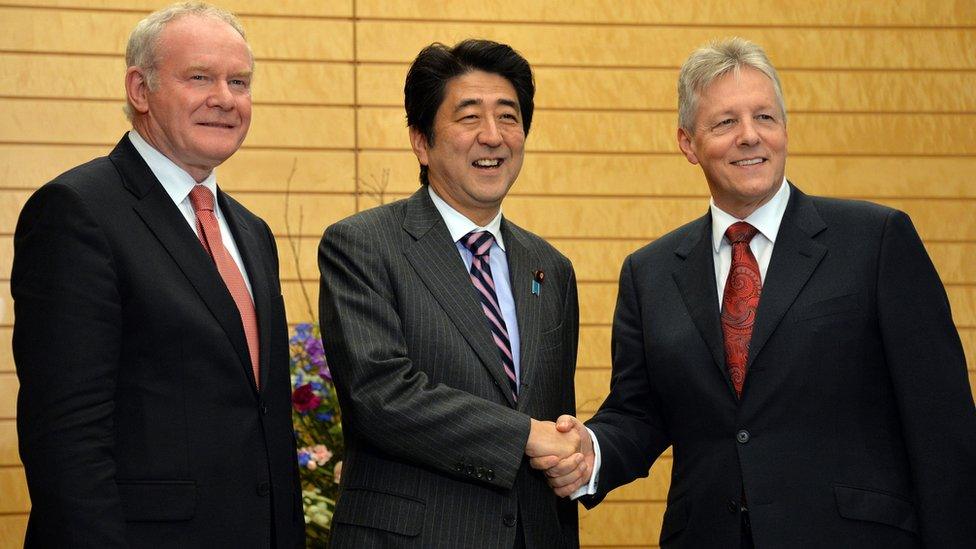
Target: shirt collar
(766, 218)
(173, 178)
(459, 225)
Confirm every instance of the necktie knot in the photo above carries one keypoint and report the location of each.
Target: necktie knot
(201, 198)
(740, 232)
(479, 242)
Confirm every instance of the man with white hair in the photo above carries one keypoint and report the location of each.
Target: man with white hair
(797, 353)
(150, 337)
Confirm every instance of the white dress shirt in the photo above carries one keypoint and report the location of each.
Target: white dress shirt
(178, 185)
(459, 225)
(766, 219)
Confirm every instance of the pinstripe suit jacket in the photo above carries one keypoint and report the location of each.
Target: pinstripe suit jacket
(434, 442)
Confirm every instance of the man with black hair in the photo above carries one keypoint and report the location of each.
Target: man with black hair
(450, 328)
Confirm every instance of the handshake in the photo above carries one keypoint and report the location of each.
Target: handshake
(564, 451)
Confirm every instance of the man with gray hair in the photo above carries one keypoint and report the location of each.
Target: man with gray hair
(797, 353)
(150, 337)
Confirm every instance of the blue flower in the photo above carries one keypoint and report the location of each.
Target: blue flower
(323, 416)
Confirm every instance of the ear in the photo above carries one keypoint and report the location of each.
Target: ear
(418, 141)
(137, 89)
(687, 146)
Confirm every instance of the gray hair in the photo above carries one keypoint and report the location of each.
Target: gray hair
(714, 60)
(144, 40)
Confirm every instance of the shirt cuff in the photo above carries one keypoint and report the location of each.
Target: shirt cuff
(589, 488)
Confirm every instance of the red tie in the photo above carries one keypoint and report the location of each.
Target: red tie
(209, 232)
(740, 301)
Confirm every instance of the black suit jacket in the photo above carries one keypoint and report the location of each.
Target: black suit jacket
(138, 418)
(434, 442)
(856, 427)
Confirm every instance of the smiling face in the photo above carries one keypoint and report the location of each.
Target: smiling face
(739, 141)
(200, 110)
(478, 144)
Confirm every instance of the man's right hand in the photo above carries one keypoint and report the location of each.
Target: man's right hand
(546, 440)
(565, 474)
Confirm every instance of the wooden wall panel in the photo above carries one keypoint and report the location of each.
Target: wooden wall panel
(8, 443)
(701, 12)
(881, 98)
(332, 8)
(636, 46)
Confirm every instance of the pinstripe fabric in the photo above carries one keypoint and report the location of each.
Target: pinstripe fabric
(434, 438)
(479, 242)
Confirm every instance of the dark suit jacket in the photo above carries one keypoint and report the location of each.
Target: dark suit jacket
(434, 442)
(138, 419)
(856, 427)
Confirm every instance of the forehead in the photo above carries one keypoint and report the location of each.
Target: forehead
(743, 88)
(479, 86)
(194, 38)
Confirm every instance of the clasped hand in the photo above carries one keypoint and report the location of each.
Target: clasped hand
(563, 450)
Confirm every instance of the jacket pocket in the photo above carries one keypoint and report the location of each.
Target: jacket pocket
(158, 500)
(394, 513)
(839, 305)
(874, 506)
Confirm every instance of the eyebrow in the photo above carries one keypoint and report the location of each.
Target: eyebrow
(468, 102)
(207, 69)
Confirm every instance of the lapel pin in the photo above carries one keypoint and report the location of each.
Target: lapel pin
(538, 278)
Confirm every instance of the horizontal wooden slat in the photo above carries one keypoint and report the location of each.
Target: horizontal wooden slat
(663, 175)
(611, 88)
(810, 48)
(12, 528)
(8, 443)
(625, 523)
(631, 12)
(103, 32)
(333, 8)
(13, 486)
(65, 121)
(318, 211)
(30, 166)
(8, 396)
(642, 132)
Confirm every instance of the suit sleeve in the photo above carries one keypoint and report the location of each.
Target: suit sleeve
(628, 426)
(928, 370)
(389, 402)
(66, 346)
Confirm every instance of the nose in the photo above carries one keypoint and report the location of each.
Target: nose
(220, 96)
(749, 135)
(489, 134)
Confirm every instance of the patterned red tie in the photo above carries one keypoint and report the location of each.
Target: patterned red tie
(209, 232)
(740, 301)
(479, 242)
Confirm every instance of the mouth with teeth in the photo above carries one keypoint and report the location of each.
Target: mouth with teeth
(749, 162)
(487, 163)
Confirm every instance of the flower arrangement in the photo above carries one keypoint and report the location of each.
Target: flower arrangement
(318, 431)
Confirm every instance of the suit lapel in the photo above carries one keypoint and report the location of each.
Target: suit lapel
(522, 264)
(795, 256)
(164, 219)
(257, 275)
(435, 258)
(696, 281)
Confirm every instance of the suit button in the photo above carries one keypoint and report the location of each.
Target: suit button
(264, 488)
(480, 473)
(490, 474)
(509, 520)
(469, 470)
(264, 408)
(742, 436)
(459, 467)
(733, 505)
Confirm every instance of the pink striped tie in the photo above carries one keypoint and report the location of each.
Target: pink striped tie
(479, 242)
(209, 233)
